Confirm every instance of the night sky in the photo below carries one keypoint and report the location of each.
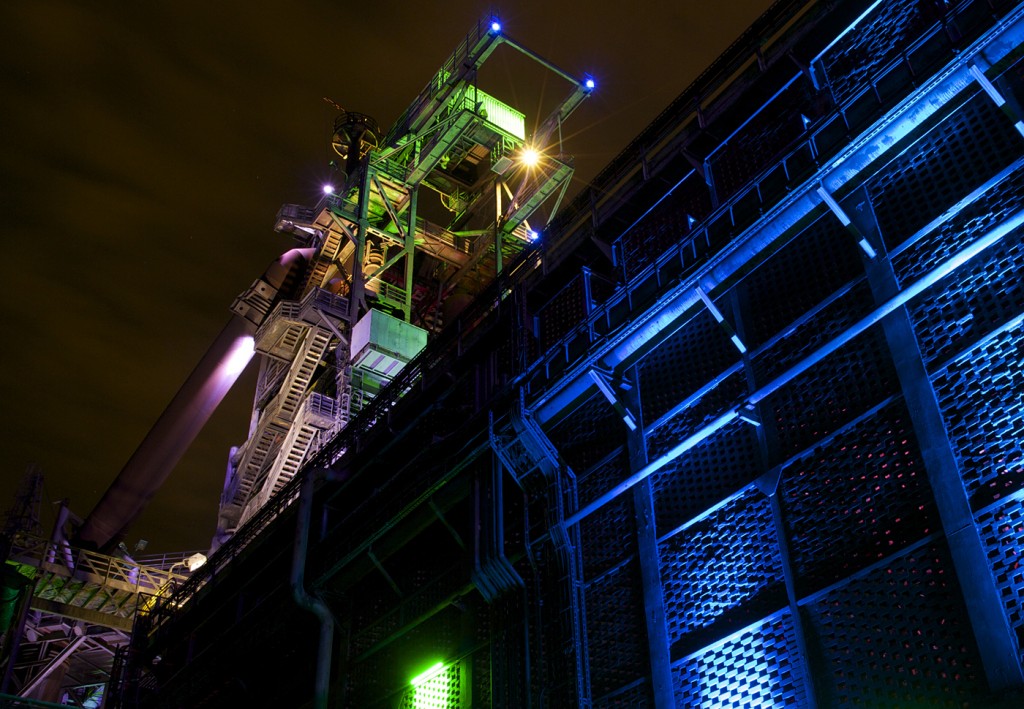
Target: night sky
(146, 148)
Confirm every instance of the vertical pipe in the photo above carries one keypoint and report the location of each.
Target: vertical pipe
(304, 599)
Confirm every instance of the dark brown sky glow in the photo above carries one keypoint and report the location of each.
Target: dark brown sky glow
(146, 148)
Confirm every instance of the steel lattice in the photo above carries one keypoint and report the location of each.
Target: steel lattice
(616, 632)
(981, 395)
(725, 568)
(1002, 533)
(757, 667)
(897, 636)
(857, 498)
(705, 475)
(969, 147)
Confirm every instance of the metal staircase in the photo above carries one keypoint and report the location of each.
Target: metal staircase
(299, 332)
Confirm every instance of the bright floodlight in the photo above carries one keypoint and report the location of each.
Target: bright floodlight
(495, 26)
(328, 188)
(532, 235)
(589, 84)
(529, 157)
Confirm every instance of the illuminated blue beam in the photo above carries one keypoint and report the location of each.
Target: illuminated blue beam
(897, 301)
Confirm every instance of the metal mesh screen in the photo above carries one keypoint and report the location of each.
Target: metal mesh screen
(980, 396)
(616, 631)
(694, 355)
(1002, 533)
(897, 636)
(833, 392)
(666, 224)
(725, 569)
(757, 667)
(764, 137)
(856, 498)
(591, 433)
(731, 390)
(879, 38)
(800, 276)
(608, 536)
(969, 147)
(704, 476)
(980, 296)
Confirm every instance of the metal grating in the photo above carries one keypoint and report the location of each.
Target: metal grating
(567, 309)
(981, 396)
(853, 61)
(725, 570)
(988, 210)
(833, 392)
(603, 477)
(979, 297)
(704, 476)
(857, 498)
(693, 356)
(616, 630)
(969, 147)
(592, 432)
(807, 270)
(757, 667)
(897, 636)
(731, 390)
(608, 536)
(812, 331)
(1002, 533)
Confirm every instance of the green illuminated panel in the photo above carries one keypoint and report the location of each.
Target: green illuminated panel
(439, 687)
(502, 115)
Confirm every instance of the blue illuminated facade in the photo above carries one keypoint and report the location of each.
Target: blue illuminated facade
(746, 429)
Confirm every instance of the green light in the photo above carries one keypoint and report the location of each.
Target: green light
(427, 675)
(436, 688)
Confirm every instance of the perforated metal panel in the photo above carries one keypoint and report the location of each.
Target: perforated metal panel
(764, 137)
(728, 392)
(757, 667)
(987, 211)
(834, 392)
(981, 395)
(859, 55)
(608, 537)
(953, 159)
(694, 355)
(800, 276)
(897, 636)
(1002, 533)
(704, 476)
(603, 477)
(590, 434)
(724, 570)
(666, 224)
(813, 330)
(977, 298)
(857, 498)
(567, 309)
(616, 632)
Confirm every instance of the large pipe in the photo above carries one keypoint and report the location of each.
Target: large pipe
(184, 417)
(307, 601)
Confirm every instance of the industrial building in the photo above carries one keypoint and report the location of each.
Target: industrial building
(739, 425)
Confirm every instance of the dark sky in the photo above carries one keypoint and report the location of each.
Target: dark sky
(146, 147)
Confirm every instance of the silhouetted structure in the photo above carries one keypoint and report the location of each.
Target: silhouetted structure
(742, 428)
